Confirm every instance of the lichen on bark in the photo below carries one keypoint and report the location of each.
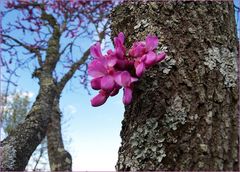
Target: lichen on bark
(59, 158)
(8, 155)
(226, 60)
(32, 130)
(192, 96)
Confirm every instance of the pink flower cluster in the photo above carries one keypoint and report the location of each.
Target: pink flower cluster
(118, 69)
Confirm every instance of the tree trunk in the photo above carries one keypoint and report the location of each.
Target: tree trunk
(59, 158)
(19, 145)
(183, 115)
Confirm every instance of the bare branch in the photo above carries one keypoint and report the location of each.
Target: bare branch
(78, 63)
(39, 158)
(27, 47)
(73, 69)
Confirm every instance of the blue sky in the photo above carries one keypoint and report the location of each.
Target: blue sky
(94, 132)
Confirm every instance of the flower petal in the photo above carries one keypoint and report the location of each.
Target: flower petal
(119, 47)
(137, 50)
(133, 79)
(121, 64)
(111, 61)
(115, 91)
(121, 37)
(160, 57)
(95, 50)
(140, 68)
(99, 99)
(96, 83)
(96, 69)
(107, 83)
(117, 78)
(151, 42)
(119, 53)
(127, 95)
(123, 78)
(109, 52)
(150, 59)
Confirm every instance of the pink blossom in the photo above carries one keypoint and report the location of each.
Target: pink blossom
(103, 73)
(144, 54)
(107, 83)
(115, 90)
(96, 83)
(125, 79)
(151, 42)
(99, 99)
(138, 49)
(96, 69)
(139, 67)
(116, 69)
(95, 51)
(120, 49)
(127, 95)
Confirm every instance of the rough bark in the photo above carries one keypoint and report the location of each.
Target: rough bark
(59, 158)
(183, 115)
(15, 149)
(21, 143)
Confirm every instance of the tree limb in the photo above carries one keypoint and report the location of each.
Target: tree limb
(73, 69)
(78, 63)
(27, 47)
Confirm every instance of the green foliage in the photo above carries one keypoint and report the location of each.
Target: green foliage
(15, 111)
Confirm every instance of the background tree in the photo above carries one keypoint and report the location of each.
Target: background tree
(15, 110)
(183, 115)
(50, 32)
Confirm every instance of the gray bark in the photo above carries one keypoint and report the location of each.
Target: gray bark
(184, 110)
(19, 145)
(59, 158)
